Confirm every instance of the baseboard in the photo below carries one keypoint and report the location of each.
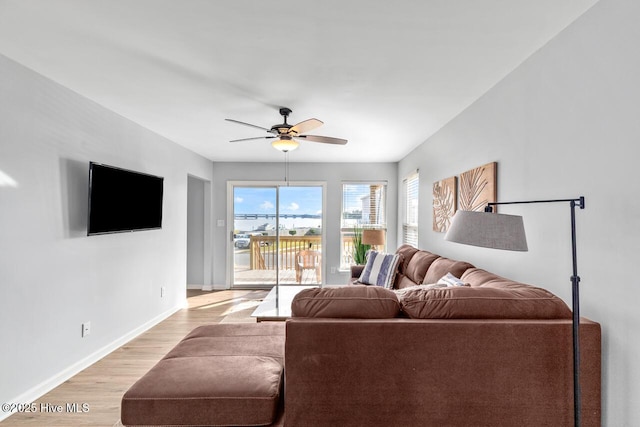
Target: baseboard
(46, 386)
(198, 287)
(207, 287)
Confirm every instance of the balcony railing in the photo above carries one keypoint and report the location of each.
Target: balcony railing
(264, 255)
(263, 252)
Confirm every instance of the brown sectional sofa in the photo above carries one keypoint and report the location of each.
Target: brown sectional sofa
(494, 353)
(431, 372)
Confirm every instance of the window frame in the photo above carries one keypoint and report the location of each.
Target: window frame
(411, 210)
(347, 229)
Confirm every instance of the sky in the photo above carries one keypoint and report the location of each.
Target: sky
(293, 200)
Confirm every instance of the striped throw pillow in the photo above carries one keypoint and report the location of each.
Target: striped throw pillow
(380, 269)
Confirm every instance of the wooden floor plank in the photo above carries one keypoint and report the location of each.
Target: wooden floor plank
(102, 385)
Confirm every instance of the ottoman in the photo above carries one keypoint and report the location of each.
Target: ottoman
(218, 375)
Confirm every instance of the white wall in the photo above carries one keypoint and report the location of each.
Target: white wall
(195, 232)
(331, 173)
(564, 124)
(52, 276)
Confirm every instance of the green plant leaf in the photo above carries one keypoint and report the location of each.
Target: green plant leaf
(359, 249)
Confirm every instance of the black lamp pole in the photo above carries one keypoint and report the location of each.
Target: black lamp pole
(575, 282)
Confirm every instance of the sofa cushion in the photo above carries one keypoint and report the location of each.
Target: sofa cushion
(407, 252)
(403, 282)
(354, 302)
(417, 267)
(518, 301)
(479, 277)
(218, 375)
(442, 266)
(380, 269)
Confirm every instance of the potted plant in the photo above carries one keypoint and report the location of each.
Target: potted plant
(359, 253)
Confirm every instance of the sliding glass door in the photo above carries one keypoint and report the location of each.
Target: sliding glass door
(277, 234)
(254, 235)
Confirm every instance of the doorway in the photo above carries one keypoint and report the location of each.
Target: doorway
(277, 234)
(198, 234)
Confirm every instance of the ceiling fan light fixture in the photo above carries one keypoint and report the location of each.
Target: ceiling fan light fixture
(285, 133)
(285, 144)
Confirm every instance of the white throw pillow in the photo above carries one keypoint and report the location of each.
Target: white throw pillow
(450, 280)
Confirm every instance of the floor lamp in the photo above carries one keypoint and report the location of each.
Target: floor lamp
(500, 231)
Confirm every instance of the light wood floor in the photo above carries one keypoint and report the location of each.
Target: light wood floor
(102, 385)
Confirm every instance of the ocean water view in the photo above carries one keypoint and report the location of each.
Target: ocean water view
(261, 225)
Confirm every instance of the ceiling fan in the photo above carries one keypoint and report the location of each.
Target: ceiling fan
(286, 134)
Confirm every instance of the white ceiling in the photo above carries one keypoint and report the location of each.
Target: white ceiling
(383, 74)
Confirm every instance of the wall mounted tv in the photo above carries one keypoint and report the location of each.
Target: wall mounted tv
(121, 200)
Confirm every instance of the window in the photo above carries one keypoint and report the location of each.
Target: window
(410, 221)
(363, 205)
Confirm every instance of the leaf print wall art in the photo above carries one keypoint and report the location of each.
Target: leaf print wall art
(477, 187)
(444, 203)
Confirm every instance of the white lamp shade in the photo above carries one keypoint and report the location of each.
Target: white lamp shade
(285, 144)
(488, 230)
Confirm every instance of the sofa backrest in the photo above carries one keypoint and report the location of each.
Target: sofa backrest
(487, 296)
(441, 266)
(478, 277)
(424, 267)
(414, 268)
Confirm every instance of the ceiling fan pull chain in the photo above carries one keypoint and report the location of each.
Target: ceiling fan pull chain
(286, 167)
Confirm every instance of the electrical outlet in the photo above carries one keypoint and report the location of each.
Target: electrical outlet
(162, 291)
(334, 270)
(86, 329)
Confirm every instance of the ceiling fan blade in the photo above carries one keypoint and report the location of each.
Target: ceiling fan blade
(248, 124)
(323, 139)
(250, 139)
(305, 126)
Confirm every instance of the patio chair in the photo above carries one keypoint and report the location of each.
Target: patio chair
(307, 260)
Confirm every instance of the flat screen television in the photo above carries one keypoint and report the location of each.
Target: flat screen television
(122, 200)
